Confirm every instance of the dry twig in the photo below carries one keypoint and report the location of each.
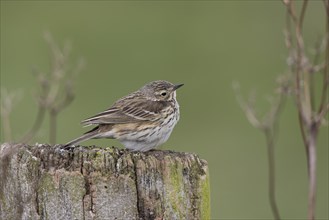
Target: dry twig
(302, 71)
(299, 82)
(8, 100)
(56, 88)
(269, 126)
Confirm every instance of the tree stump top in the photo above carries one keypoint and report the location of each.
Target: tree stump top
(44, 182)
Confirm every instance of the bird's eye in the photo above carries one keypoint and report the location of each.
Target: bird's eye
(163, 93)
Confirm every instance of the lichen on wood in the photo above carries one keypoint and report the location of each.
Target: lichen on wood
(44, 182)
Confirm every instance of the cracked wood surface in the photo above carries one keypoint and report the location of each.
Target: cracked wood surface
(41, 182)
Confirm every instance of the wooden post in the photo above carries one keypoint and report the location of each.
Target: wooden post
(42, 182)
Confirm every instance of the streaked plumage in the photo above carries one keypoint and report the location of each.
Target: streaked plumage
(141, 120)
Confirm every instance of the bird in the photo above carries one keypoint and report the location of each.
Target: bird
(141, 121)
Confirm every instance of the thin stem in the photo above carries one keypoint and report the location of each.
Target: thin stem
(312, 71)
(325, 85)
(297, 71)
(312, 90)
(288, 38)
(36, 126)
(7, 101)
(326, 6)
(291, 10)
(271, 174)
(269, 125)
(302, 131)
(312, 173)
(53, 125)
(302, 14)
(321, 115)
(298, 77)
(6, 128)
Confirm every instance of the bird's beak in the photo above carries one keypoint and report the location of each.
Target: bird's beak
(177, 86)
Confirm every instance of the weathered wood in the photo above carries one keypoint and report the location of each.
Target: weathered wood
(42, 182)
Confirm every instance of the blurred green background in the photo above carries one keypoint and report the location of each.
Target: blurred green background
(205, 45)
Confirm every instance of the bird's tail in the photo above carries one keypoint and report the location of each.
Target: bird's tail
(89, 135)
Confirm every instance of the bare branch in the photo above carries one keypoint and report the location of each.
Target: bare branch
(303, 72)
(8, 101)
(291, 9)
(324, 95)
(302, 88)
(36, 126)
(302, 14)
(269, 126)
(247, 107)
(55, 89)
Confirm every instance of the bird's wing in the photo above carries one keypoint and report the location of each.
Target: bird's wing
(128, 111)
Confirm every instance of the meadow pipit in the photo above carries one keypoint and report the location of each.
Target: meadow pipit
(141, 120)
